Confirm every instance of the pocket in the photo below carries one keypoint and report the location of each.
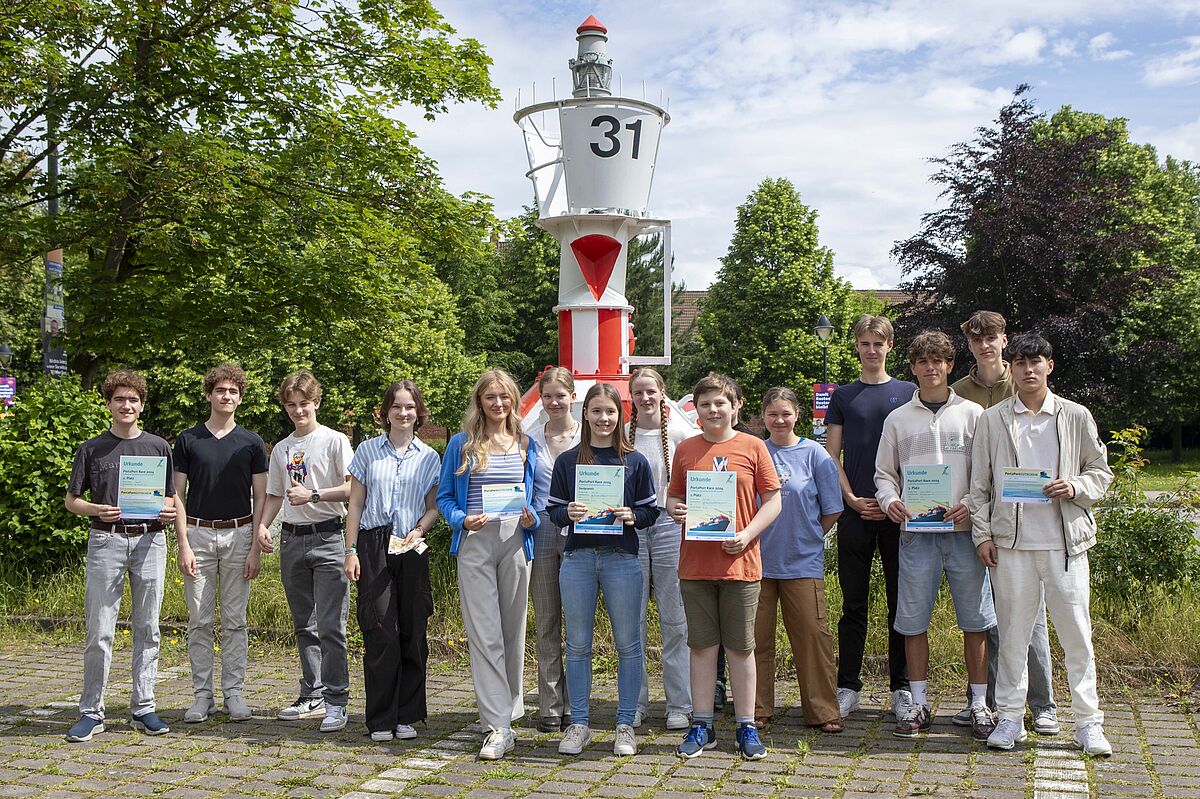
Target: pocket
(99, 540)
(907, 537)
(819, 589)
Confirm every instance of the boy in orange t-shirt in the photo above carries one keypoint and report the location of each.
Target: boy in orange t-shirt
(719, 580)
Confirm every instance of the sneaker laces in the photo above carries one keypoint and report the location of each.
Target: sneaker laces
(698, 734)
(749, 734)
(982, 710)
(575, 734)
(912, 712)
(1093, 734)
(1007, 729)
(494, 738)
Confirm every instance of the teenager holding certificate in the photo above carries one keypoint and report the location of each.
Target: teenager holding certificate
(655, 434)
(793, 566)
(119, 546)
(393, 483)
(603, 492)
(719, 579)
(930, 437)
(1033, 548)
(484, 467)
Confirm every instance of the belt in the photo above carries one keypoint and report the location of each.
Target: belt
(128, 528)
(219, 524)
(327, 526)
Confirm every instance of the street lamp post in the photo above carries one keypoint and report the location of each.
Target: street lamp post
(6, 356)
(823, 330)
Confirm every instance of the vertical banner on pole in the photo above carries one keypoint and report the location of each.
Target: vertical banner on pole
(8, 391)
(822, 393)
(54, 322)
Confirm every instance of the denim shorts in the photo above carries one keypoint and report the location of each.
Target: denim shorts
(923, 559)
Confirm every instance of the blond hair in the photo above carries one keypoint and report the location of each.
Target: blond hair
(475, 450)
(302, 382)
(631, 434)
(556, 374)
(878, 325)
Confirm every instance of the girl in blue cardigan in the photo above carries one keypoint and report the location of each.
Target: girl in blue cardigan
(493, 553)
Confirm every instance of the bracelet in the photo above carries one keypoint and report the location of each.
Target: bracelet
(352, 549)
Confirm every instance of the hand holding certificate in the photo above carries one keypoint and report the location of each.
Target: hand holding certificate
(503, 500)
(927, 496)
(1024, 485)
(142, 484)
(602, 490)
(711, 506)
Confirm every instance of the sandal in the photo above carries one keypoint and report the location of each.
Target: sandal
(761, 721)
(836, 725)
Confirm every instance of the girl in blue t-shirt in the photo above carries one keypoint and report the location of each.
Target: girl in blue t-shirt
(605, 561)
(793, 568)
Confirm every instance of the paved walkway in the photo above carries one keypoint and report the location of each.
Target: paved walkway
(1157, 742)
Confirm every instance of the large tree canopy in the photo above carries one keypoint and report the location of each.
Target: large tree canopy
(775, 281)
(1070, 230)
(235, 185)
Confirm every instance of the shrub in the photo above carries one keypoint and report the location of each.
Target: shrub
(38, 438)
(1143, 543)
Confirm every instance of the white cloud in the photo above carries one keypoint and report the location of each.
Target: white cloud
(1100, 47)
(1181, 141)
(1181, 68)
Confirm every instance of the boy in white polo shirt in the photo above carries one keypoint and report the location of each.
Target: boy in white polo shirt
(935, 429)
(1031, 547)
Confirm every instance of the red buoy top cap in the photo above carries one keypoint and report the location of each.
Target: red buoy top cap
(591, 24)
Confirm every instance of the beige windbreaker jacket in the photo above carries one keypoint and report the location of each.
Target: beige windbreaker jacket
(1082, 461)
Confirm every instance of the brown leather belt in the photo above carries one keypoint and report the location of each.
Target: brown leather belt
(219, 524)
(128, 528)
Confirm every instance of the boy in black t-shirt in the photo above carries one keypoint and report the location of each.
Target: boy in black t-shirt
(855, 424)
(225, 465)
(120, 545)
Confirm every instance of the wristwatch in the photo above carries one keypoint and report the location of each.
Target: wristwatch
(315, 496)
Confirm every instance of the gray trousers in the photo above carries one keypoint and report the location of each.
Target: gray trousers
(548, 618)
(220, 560)
(1041, 669)
(318, 594)
(658, 552)
(110, 557)
(493, 592)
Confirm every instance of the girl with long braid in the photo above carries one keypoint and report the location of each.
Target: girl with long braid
(652, 432)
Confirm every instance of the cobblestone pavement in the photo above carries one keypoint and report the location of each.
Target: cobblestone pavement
(1157, 748)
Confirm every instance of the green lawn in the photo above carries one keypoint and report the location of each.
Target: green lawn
(1163, 474)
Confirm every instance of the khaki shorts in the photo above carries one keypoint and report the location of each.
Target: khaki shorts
(720, 612)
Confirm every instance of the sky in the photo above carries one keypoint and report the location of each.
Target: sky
(848, 100)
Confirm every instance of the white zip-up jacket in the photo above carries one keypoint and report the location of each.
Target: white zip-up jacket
(1082, 462)
(914, 435)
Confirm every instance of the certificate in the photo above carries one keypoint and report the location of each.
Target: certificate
(927, 496)
(1024, 485)
(141, 486)
(602, 489)
(503, 500)
(711, 506)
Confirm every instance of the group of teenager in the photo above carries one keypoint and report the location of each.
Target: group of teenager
(361, 515)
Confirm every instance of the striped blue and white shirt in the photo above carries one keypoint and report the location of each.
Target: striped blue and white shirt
(396, 482)
(508, 468)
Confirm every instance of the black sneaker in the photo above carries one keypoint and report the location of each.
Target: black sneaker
(150, 724)
(698, 738)
(84, 729)
(720, 693)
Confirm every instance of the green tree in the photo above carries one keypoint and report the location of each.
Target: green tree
(774, 282)
(237, 185)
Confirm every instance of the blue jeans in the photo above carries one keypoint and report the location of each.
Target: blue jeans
(584, 572)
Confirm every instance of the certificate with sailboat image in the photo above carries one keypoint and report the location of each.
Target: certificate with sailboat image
(711, 506)
(602, 490)
(142, 486)
(927, 496)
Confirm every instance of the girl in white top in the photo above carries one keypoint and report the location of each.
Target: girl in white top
(654, 433)
(557, 389)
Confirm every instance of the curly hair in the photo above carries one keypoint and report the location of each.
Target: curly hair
(124, 378)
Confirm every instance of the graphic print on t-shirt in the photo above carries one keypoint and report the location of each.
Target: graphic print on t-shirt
(297, 468)
(720, 463)
(783, 470)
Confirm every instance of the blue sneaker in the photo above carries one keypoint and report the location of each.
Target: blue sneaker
(150, 724)
(84, 729)
(699, 738)
(749, 744)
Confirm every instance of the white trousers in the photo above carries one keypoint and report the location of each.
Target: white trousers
(1067, 584)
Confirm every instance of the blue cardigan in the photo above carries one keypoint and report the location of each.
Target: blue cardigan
(452, 491)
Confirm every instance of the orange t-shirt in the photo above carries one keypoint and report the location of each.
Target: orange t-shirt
(749, 458)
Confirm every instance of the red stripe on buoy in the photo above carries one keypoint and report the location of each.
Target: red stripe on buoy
(565, 356)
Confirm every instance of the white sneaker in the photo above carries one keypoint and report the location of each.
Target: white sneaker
(639, 718)
(381, 735)
(1008, 733)
(849, 701)
(497, 744)
(405, 731)
(678, 721)
(1045, 721)
(625, 743)
(575, 739)
(1090, 738)
(335, 718)
(902, 702)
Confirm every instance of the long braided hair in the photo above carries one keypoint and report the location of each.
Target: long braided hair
(631, 433)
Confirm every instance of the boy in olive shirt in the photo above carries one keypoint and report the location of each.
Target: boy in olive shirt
(990, 381)
(118, 546)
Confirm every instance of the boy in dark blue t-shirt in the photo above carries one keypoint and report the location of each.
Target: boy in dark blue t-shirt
(854, 423)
